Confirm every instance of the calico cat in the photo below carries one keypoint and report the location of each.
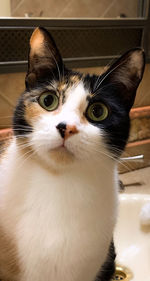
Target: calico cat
(58, 174)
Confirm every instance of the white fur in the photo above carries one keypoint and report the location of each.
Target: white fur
(62, 219)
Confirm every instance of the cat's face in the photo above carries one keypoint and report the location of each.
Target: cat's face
(66, 116)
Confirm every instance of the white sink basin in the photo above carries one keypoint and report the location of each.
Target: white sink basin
(132, 241)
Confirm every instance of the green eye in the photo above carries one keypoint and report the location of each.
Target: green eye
(97, 112)
(49, 101)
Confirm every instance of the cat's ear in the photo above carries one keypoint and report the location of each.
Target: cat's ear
(125, 75)
(45, 61)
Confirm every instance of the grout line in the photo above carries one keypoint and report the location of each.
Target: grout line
(16, 8)
(67, 5)
(109, 7)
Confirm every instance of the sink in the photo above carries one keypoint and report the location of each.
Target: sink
(132, 240)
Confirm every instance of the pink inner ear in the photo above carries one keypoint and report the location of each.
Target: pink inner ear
(36, 42)
(136, 63)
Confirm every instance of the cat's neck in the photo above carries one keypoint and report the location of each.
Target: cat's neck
(25, 175)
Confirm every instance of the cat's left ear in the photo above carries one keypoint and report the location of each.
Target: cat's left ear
(45, 61)
(125, 75)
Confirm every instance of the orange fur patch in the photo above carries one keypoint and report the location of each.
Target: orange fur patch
(75, 79)
(32, 112)
(62, 86)
(70, 131)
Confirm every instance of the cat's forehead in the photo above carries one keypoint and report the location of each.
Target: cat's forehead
(70, 82)
(76, 96)
(73, 89)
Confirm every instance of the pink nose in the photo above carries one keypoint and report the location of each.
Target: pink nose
(66, 131)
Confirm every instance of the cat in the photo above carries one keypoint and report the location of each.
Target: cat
(58, 173)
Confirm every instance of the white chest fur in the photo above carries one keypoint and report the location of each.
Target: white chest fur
(63, 222)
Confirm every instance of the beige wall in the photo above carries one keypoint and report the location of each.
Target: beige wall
(74, 8)
(5, 8)
(11, 85)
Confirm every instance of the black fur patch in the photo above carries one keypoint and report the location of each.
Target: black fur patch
(108, 268)
(20, 125)
(117, 124)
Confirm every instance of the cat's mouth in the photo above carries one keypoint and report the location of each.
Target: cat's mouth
(62, 149)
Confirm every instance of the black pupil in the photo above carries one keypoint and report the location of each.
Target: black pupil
(48, 100)
(97, 110)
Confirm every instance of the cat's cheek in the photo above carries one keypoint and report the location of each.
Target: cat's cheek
(74, 146)
(86, 144)
(45, 140)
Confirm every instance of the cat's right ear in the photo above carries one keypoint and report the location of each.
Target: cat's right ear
(45, 62)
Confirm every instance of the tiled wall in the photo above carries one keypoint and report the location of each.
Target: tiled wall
(11, 85)
(74, 8)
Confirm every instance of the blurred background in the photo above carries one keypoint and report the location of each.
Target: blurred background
(74, 8)
(90, 34)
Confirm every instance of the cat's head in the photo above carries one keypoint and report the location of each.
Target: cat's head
(66, 116)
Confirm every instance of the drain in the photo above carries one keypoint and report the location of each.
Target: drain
(122, 273)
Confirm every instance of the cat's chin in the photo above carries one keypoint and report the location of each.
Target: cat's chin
(61, 155)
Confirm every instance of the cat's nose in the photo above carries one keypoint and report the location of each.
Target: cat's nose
(61, 127)
(65, 130)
